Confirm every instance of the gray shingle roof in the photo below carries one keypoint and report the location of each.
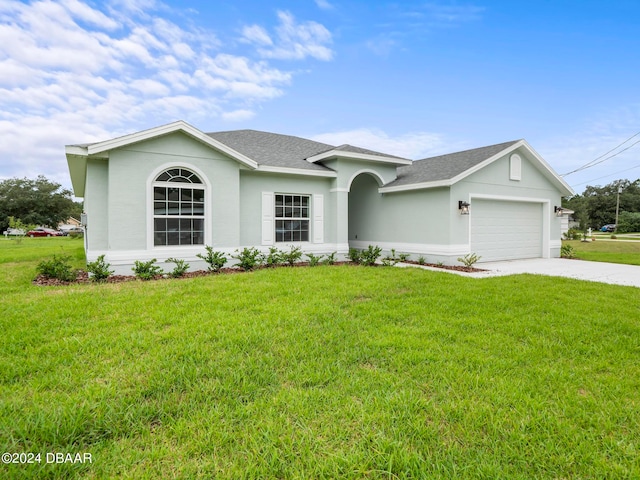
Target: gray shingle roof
(273, 149)
(445, 167)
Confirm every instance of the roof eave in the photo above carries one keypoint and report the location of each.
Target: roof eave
(333, 154)
(179, 126)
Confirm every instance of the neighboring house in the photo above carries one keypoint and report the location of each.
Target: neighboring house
(171, 190)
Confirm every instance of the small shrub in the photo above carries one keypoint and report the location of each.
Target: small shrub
(58, 267)
(180, 269)
(389, 261)
(573, 234)
(355, 255)
(273, 258)
(76, 234)
(404, 256)
(566, 251)
(370, 255)
(146, 270)
(314, 260)
(248, 258)
(293, 255)
(469, 259)
(330, 259)
(421, 260)
(215, 260)
(99, 269)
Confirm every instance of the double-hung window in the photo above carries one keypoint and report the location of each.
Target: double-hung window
(292, 217)
(178, 208)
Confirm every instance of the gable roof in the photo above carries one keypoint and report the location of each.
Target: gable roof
(446, 170)
(273, 149)
(445, 167)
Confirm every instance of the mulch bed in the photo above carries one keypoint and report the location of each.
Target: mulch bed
(83, 277)
(457, 268)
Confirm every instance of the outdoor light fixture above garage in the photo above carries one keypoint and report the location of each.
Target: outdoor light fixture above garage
(463, 207)
(559, 211)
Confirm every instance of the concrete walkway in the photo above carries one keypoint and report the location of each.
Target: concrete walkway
(613, 273)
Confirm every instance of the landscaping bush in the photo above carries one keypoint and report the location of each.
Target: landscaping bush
(215, 260)
(355, 255)
(180, 269)
(314, 260)
(566, 251)
(292, 256)
(370, 255)
(146, 270)
(421, 260)
(58, 267)
(573, 234)
(99, 269)
(330, 258)
(274, 257)
(469, 259)
(248, 258)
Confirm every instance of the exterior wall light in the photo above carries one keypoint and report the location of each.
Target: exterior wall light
(558, 210)
(463, 207)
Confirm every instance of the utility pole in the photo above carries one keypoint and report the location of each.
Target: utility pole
(617, 208)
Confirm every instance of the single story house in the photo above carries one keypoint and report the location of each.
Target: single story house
(170, 190)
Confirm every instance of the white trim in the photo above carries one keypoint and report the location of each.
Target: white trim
(318, 218)
(297, 171)
(357, 156)
(365, 170)
(515, 167)
(267, 219)
(417, 248)
(339, 189)
(189, 253)
(208, 202)
(415, 186)
(75, 150)
(179, 126)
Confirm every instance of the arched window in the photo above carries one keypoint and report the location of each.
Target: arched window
(178, 208)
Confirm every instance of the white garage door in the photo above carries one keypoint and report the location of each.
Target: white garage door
(506, 230)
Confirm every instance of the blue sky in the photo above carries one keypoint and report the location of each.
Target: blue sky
(410, 78)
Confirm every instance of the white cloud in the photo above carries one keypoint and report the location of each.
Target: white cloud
(324, 5)
(256, 34)
(413, 145)
(73, 72)
(294, 41)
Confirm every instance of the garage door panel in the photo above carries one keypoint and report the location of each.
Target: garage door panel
(503, 230)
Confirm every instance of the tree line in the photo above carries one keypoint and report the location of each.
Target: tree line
(596, 206)
(36, 202)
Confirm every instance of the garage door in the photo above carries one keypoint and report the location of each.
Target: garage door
(506, 230)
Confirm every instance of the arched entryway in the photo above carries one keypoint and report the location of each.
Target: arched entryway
(364, 209)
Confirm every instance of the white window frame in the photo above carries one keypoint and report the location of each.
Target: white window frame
(308, 219)
(180, 185)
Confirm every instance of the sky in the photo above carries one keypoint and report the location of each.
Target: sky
(409, 78)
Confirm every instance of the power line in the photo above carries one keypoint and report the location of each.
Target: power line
(599, 160)
(609, 175)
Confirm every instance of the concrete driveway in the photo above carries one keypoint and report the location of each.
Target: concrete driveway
(612, 273)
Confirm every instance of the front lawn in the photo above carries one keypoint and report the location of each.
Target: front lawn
(606, 250)
(326, 372)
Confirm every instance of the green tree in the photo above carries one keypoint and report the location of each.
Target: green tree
(37, 202)
(596, 206)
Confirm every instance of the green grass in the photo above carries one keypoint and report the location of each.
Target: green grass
(327, 372)
(612, 251)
